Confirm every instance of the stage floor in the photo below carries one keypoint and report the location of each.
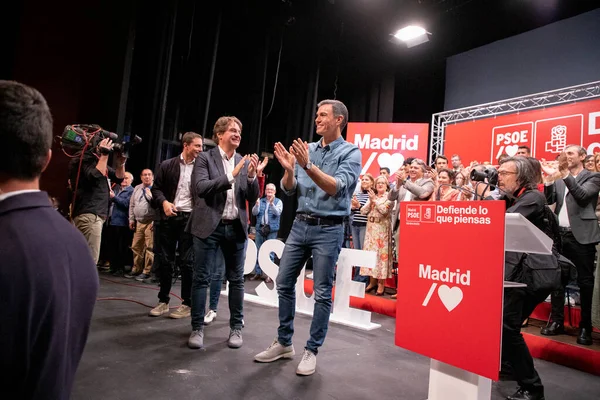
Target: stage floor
(132, 356)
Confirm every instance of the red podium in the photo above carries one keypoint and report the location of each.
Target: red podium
(451, 277)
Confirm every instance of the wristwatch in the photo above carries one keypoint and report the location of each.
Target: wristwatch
(308, 166)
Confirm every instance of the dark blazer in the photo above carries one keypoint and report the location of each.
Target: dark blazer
(120, 213)
(165, 183)
(209, 188)
(581, 204)
(48, 287)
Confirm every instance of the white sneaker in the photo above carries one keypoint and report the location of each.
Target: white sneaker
(182, 311)
(160, 309)
(210, 316)
(308, 364)
(274, 352)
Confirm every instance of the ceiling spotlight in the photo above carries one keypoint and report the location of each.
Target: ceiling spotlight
(412, 35)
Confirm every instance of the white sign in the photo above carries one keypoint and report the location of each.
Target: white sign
(345, 287)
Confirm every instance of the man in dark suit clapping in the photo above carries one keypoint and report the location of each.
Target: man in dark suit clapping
(222, 181)
(575, 192)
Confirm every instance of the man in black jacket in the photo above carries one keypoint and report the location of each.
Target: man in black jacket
(518, 178)
(91, 178)
(172, 196)
(48, 280)
(575, 192)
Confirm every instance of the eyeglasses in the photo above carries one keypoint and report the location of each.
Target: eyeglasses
(504, 173)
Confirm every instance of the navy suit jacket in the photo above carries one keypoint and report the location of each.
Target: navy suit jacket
(48, 287)
(209, 188)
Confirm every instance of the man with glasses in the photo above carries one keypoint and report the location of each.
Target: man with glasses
(518, 178)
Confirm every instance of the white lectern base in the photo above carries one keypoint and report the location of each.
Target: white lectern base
(450, 383)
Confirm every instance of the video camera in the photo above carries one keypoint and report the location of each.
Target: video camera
(83, 137)
(480, 176)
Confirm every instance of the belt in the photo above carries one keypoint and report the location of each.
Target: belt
(328, 221)
(376, 219)
(565, 229)
(228, 221)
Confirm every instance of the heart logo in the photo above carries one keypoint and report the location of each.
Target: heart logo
(451, 298)
(511, 150)
(391, 161)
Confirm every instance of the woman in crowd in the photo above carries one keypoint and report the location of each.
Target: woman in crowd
(359, 221)
(442, 189)
(589, 163)
(378, 236)
(461, 182)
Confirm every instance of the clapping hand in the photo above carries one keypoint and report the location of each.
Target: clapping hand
(261, 166)
(355, 202)
(285, 158)
(433, 174)
(299, 149)
(400, 177)
(372, 196)
(239, 166)
(252, 166)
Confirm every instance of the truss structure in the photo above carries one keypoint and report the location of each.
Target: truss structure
(545, 99)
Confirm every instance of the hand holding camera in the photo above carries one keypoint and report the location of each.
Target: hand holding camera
(105, 147)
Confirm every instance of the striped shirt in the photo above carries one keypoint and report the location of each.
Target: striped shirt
(359, 219)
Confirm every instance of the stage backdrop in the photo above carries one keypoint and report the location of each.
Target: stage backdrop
(546, 131)
(388, 144)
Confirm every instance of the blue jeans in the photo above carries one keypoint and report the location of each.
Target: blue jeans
(216, 280)
(358, 239)
(232, 240)
(259, 240)
(324, 243)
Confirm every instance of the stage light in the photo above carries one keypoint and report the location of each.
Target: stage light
(412, 35)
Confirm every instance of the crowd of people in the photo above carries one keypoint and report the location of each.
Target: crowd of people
(192, 220)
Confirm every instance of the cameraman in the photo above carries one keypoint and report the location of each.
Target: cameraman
(518, 179)
(91, 177)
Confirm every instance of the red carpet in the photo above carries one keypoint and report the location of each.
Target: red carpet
(542, 312)
(573, 356)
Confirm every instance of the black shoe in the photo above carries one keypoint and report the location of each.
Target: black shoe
(585, 337)
(523, 394)
(118, 273)
(552, 329)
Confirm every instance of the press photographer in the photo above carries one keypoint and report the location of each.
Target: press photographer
(91, 178)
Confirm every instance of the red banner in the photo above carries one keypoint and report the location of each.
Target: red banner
(545, 131)
(387, 144)
(449, 305)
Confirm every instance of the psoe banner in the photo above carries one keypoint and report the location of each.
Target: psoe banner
(545, 131)
(442, 292)
(388, 144)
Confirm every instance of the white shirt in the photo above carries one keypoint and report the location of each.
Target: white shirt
(407, 196)
(563, 214)
(4, 196)
(230, 211)
(183, 195)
